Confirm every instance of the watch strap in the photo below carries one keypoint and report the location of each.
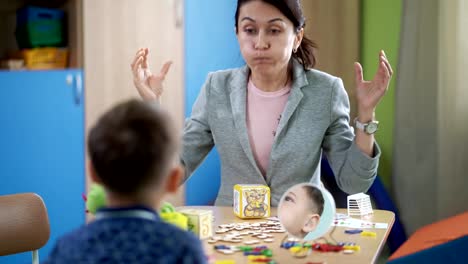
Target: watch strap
(363, 126)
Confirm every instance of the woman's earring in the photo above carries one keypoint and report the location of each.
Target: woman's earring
(295, 50)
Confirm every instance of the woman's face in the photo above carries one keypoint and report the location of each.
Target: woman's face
(295, 214)
(266, 38)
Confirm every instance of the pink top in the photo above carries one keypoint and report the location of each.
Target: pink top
(264, 111)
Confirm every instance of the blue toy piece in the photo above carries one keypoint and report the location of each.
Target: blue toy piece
(288, 245)
(353, 231)
(221, 247)
(379, 195)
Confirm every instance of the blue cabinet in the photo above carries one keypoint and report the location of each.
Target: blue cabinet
(42, 146)
(210, 44)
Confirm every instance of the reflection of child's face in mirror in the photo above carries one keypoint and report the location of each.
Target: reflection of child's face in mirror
(300, 210)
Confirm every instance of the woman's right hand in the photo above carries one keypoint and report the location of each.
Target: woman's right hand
(149, 86)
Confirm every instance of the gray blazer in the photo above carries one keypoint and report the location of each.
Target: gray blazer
(315, 119)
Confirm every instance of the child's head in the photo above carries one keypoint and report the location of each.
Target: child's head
(300, 209)
(132, 148)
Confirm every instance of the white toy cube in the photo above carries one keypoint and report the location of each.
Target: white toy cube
(199, 222)
(251, 201)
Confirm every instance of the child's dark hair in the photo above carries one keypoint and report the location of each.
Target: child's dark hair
(316, 196)
(132, 145)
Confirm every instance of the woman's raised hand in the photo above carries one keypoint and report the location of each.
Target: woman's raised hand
(369, 93)
(149, 86)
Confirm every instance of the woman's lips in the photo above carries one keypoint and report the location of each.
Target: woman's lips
(262, 60)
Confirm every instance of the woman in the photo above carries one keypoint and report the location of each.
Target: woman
(272, 119)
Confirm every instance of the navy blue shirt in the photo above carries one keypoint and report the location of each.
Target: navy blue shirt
(128, 235)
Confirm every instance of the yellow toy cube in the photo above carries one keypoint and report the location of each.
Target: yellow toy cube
(199, 222)
(251, 200)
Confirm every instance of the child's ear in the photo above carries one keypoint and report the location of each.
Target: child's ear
(92, 173)
(174, 178)
(311, 223)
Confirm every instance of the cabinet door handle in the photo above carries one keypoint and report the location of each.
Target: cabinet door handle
(78, 89)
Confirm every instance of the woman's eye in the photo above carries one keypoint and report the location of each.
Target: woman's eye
(250, 30)
(275, 31)
(288, 199)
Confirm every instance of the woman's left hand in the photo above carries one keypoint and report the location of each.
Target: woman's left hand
(369, 93)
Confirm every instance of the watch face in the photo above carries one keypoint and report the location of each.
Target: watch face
(371, 128)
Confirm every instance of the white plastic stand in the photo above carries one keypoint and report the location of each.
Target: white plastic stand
(359, 205)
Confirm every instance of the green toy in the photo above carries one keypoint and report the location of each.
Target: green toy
(170, 215)
(97, 198)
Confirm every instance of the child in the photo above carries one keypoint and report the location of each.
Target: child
(300, 209)
(132, 150)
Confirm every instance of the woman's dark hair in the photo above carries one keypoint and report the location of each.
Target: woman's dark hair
(316, 196)
(292, 9)
(131, 145)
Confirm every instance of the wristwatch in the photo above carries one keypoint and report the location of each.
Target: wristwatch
(369, 128)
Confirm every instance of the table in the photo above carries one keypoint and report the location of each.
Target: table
(370, 246)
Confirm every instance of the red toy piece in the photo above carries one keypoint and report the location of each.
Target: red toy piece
(322, 247)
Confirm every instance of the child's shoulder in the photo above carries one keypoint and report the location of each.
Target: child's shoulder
(171, 230)
(130, 237)
(151, 231)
